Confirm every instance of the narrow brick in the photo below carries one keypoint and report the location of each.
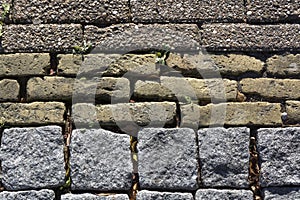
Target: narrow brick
(223, 194)
(153, 195)
(279, 193)
(293, 112)
(244, 37)
(284, 65)
(84, 196)
(69, 64)
(31, 194)
(41, 38)
(9, 90)
(271, 88)
(37, 113)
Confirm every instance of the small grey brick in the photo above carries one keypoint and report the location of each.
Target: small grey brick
(9, 90)
(100, 160)
(279, 150)
(216, 194)
(87, 196)
(41, 38)
(244, 37)
(224, 157)
(31, 194)
(280, 193)
(167, 159)
(153, 195)
(32, 158)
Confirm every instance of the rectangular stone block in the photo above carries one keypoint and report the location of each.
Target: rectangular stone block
(100, 160)
(278, 149)
(274, 89)
(94, 197)
(37, 113)
(284, 65)
(81, 11)
(32, 158)
(24, 64)
(293, 112)
(167, 159)
(187, 11)
(227, 164)
(216, 194)
(279, 193)
(153, 195)
(123, 38)
(41, 37)
(9, 90)
(31, 194)
(69, 64)
(244, 37)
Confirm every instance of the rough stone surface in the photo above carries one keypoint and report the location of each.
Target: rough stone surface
(273, 11)
(244, 37)
(167, 159)
(87, 196)
(31, 194)
(5, 2)
(152, 195)
(9, 90)
(100, 160)
(187, 11)
(41, 38)
(231, 114)
(284, 65)
(271, 88)
(80, 11)
(279, 193)
(69, 64)
(37, 113)
(279, 150)
(32, 158)
(224, 154)
(24, 64)
(293, 112)
(123, 38)
(214, 194)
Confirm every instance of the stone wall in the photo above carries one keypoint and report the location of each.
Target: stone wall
(150, 99)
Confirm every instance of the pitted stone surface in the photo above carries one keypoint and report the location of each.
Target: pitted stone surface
(224, 154)
(152, 195)
(9, 90)
(32, 158)
(280, 193)
(279, 150)
(167, 159)
(87, 196)
(293, 112)
(214, 194)
(100, 160)
(284, 65)
(69, 64)
(26, 195)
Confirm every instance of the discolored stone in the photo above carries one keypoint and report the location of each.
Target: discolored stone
(284, 65)
(9, 90)
(153, 195)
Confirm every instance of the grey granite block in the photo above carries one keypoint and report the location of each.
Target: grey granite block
(280, 193)
(167, 159)
(224, 157)
(100, 160)
(217, 194)
(279, 150)
(32, 158)
(28, 195)
(153, 195)
(87, 196)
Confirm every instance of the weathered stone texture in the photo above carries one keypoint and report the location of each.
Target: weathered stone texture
(284, 65)
(153, 195)
(244, 37)
(32, 158)
(279, 150)
(187, 11)
(280, 193)
(227, 164)
(5, 3)
(100, 160)
(69, 64)
(87, 196)
(167, 159)
(271, 88)
(31, 194)
(293, 112)
(80, 11)
(214, 194)
(41, 38)
(9, 90)
(37, 113)
(123, 38)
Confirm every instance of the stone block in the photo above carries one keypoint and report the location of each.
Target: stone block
(279, 193)
(87, 196)
(69, 64)
(31, 194)
(216, 194)
(293, 112)
(153, 195)
(9, 90)
(284, 65)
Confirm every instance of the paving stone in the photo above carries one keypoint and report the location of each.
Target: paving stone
(41, 37)
(31, 194)
(9, 90)
(81, 11)
(37, 113)
(215, 194)
(293, 112)
(69, 64)
(153, 195)
(224, 157)
(32, 158)
(279, 193)
(284, 65)
(271, 88)
(273, 11)
(123, 38)
(167, 159)
(244, 37)
(24, 64)
(87, 196)
(100, 160)
(279, 149)
(186, 11)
